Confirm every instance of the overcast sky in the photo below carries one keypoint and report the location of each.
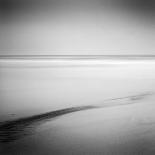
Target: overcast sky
(77, 27)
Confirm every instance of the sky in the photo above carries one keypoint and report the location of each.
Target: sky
(83, 27)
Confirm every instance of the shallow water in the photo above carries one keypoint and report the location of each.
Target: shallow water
(43, 106)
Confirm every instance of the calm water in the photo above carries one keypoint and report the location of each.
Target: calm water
(28, 89)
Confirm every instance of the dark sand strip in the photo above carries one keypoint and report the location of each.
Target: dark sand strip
(16, 129)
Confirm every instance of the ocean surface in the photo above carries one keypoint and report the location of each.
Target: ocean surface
(77, 107)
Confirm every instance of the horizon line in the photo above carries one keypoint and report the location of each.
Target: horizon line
(78, 57)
